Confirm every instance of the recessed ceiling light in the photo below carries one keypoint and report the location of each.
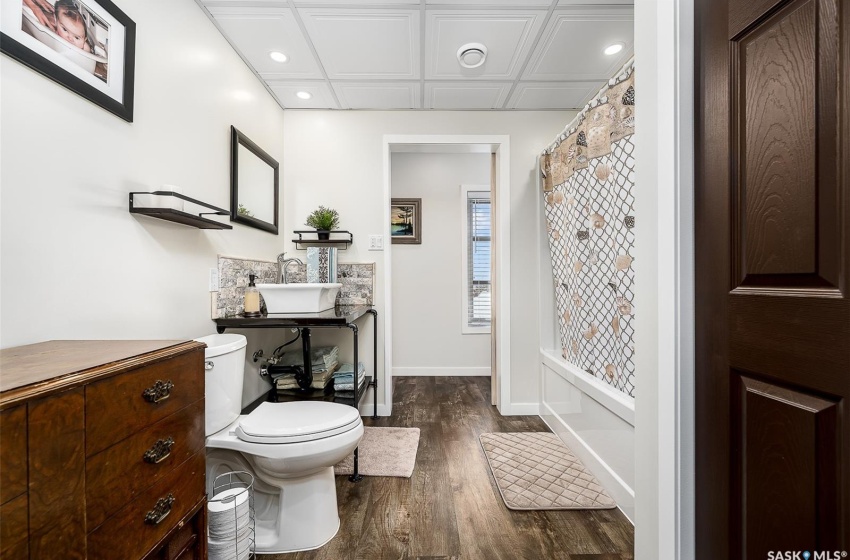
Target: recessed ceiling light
(304, 95)
(472, 55)
(614, 49)
(242, 95)
(278, 56)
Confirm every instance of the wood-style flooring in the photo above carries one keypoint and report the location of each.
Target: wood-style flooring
(450, 508)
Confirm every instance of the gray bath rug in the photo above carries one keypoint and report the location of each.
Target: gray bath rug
(535, 470)
(384, 452)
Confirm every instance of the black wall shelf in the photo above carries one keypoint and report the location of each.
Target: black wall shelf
(301, 243)
(179, 216)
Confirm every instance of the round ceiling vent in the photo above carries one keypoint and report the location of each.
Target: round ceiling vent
(472, 55)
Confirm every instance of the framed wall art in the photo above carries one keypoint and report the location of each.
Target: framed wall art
(406, 221)
(88, 46)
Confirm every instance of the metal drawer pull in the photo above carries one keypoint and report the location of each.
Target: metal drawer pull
(208, 365)
(160, 511)
(159, 452)
(160, 391)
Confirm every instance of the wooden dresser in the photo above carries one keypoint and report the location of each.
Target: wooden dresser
(102, 450)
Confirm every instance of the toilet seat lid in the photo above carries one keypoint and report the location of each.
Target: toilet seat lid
(294, 422)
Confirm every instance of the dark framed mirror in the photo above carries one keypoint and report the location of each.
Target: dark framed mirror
(254, 184)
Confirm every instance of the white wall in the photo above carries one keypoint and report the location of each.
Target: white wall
(428, 283)
(664, 253)
(75, 263)
(335, 158)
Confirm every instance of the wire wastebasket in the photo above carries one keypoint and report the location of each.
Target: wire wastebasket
(231, 532)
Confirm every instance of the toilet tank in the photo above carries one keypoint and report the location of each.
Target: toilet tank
(224, 365)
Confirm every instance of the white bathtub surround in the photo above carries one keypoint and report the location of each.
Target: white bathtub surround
(596, 421)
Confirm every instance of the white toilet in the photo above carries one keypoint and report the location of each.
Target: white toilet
(290, 448)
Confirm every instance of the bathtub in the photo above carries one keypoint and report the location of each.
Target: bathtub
(596, 422)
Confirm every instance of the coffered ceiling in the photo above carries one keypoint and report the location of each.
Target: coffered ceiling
(403, 54)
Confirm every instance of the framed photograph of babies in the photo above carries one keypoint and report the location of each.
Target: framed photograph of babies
(88, 46)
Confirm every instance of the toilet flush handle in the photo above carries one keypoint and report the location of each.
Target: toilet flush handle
(208, 365)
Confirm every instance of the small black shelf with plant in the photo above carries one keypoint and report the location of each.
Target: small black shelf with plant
(179, 216)
(325, 220)
(301, 242)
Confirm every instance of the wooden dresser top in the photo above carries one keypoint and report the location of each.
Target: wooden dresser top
(36, 370)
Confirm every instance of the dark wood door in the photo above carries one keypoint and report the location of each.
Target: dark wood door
(772, 289)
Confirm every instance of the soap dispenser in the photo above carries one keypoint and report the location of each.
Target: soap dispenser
(252, 299)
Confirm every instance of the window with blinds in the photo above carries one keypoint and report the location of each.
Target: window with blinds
(477, 261)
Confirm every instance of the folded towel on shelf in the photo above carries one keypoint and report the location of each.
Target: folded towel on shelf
(343, 387)
(321, 356)
(345, 373)
(283, 383)
(321, 379)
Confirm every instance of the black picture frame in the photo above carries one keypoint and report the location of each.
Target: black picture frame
(237, 139)
(123, 108)
(412, 209)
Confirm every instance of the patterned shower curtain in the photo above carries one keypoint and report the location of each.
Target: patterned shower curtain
(588, 184)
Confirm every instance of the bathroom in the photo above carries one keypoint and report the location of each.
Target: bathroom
(76, 265)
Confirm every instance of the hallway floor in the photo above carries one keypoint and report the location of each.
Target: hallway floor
(450, 508)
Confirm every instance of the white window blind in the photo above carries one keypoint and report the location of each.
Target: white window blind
(478, 259)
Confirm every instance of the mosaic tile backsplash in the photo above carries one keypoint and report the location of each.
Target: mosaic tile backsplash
(357, 279)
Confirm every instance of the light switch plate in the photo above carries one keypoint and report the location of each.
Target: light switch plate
(376, 242)
(213, 279)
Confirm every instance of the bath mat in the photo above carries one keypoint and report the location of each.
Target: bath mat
(535, 470)
(384, 452)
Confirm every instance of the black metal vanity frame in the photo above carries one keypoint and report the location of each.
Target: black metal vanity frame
(338, 318)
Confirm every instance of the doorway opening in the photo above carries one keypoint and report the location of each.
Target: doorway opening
(447, 277)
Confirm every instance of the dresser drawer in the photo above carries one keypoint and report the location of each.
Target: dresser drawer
(14, 531)
(13, 453)
(124, 404)
(127, 535)
(114, 476)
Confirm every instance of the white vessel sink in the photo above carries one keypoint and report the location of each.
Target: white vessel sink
(299, 298)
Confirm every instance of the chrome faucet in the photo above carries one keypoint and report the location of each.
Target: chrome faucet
(282, 264)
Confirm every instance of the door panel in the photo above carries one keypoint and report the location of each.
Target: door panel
(783, 436)
(776, 155)
(772, 257)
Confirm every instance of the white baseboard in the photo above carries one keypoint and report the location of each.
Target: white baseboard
(441, 372)
(521, 409)
(622, 493)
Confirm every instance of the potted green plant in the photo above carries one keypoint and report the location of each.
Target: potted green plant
(323, 220)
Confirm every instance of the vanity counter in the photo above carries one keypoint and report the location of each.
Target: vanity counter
(339, 316)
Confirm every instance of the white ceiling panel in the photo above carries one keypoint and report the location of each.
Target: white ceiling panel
(395, 95)
(286, 93)
(595, 2)
(492, 3)
(469, 95)
(355, 3)
(508, 37)
(572, 44)
(402, 54)
(258, 31)
(245, 3)
(365, 44)
(549, 95)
